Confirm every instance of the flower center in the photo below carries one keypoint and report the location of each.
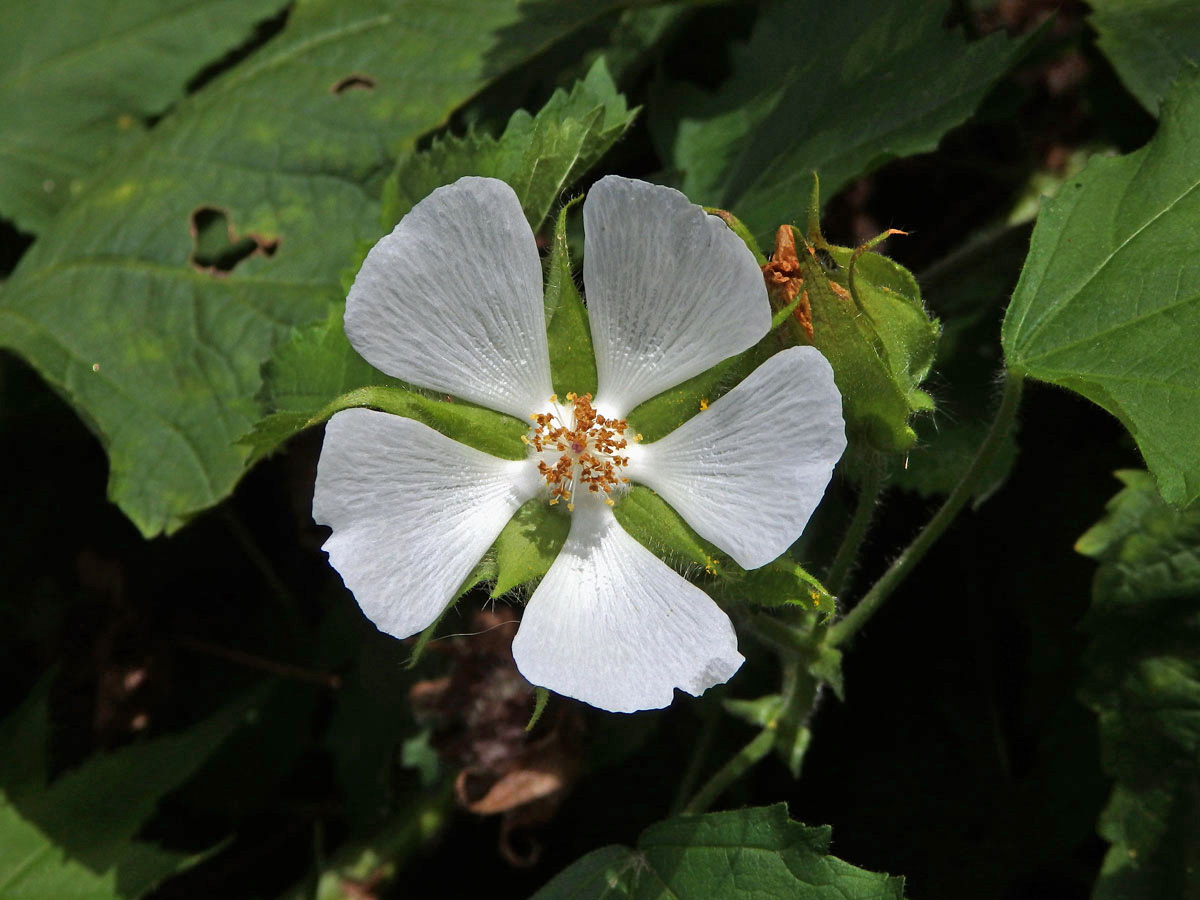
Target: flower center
(578, 449)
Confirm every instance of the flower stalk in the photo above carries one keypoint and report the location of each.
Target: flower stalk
(854, 620)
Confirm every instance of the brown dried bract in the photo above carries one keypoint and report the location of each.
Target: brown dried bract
(785, 279)
(479, 712)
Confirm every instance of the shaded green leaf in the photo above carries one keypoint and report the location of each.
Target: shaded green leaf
(78, 80)
(822, 87)
(1149, 42)
(1143, 682)
(162, 359)
(74, 838)
(539, 155)
(1111, 288)
(747, 853)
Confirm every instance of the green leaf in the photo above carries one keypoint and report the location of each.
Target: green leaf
(75, 837)
(1143, 682)
(1149, 42)
(163, 358)
(822, 87)
(1110, 293)
(79, 79)
(528, 545)
(539, 156)
(739, 855)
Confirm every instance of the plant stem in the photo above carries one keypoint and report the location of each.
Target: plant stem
(856, 531)
(708, 732)
(742, 761)
(911, 555)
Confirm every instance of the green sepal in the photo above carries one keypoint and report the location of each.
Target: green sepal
(869, 322)
(780, 583)
(541, 697)
(538, 155)
(572, 359)
(484, 571)
(528, 545)
(318, 373)
(738, 227)
(656, 526)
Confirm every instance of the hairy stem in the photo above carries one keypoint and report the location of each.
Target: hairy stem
(845, 629)
(856, 531)
(741, 763)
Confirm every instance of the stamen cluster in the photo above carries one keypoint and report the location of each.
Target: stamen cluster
(588, 450)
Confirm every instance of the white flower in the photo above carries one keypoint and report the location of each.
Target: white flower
(451, 300)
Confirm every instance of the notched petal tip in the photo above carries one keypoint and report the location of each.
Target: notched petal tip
(614, 626)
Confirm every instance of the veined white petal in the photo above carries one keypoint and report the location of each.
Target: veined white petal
(412, 512)
(748, 472)
(614, 626)
(452, 300)
(671, 291)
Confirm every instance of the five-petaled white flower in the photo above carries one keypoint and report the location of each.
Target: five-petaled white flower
(451, 300)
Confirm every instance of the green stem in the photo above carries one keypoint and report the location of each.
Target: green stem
(742, 762)
(867, 607)
(708, 732)
(856, 532)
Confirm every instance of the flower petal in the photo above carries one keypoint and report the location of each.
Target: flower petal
(671, 291)
(748, 472)
(412, 512)
(452, 300)
(614, 626)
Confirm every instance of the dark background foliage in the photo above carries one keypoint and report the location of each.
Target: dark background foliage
(961, 758)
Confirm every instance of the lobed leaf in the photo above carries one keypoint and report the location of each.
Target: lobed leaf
(1149, 42)
(57, 123)
(738, 855)
(162, 356)
(538, 155)
(1111, 287)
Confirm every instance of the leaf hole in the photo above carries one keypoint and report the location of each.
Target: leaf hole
(355, 82)
(217, 248)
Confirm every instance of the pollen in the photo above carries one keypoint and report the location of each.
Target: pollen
(579, 450)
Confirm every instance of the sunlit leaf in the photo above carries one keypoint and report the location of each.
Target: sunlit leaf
(162, 355)
(79, 79)
(1112, 284)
